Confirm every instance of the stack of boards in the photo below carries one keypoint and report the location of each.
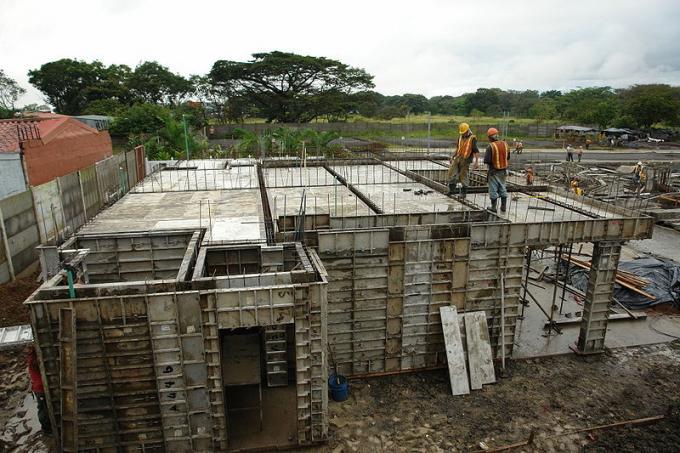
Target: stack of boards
(480, 358)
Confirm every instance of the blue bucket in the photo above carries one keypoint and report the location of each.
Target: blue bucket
(339, 387)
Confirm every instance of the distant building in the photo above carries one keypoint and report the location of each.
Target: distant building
(46, 146)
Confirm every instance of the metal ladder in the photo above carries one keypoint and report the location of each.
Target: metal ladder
(276, 356)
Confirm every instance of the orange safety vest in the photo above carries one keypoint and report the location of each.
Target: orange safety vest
(465, 146)
(499, 155)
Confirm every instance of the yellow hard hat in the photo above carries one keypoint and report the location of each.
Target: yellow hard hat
(463, 128)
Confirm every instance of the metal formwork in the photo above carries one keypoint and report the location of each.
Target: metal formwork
(136, 366)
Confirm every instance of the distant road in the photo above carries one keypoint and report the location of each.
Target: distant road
(556, 155)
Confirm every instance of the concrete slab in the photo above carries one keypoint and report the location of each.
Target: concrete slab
(205, 178)
(537, 207)
(229, 215)
(370, 174)
(298, 177)
(402, 198)
(337, 200)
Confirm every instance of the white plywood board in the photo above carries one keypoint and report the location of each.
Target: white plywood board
(480, 358)
(455, 356)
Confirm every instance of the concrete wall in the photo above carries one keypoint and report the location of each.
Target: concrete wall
(50, 212)
(19, 230)
(11, 175)
(64, 154)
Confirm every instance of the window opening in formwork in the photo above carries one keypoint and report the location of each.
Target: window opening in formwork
(258, 375)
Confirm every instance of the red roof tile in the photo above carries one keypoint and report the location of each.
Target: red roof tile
(42, 126)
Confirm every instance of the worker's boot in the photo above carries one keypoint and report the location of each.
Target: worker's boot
(463, 191)
(504, 204)
(452, 189)
(494, 206)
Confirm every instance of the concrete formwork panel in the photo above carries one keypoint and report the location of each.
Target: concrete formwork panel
(72, 201)
(90, 191)
(131, 169)
(49, 211)
(134, 257)
(148, 363)
(19, 230)
(109, 179)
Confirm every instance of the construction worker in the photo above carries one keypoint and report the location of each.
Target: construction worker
(575, 188)
(496, 158)
(38, 390)
(530, 176)
(519, 147)
(639, 177)
(460, 160)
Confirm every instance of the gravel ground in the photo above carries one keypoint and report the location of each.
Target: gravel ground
(551, 396)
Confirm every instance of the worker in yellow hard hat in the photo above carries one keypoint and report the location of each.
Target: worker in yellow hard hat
(465, 152)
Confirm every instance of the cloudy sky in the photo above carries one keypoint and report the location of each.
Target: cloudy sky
(432, 47)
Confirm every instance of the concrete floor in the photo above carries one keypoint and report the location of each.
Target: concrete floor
(531, 339)
(522, 207)
(298, 177)
(337, 200)
(402, 198)
(370, 174)
(199, 179)
(229, 215)
(665, 243)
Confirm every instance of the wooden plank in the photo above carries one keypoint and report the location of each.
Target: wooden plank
(455, 356)
(480, 359)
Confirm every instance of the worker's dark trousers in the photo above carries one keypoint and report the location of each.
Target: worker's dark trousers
(43, 416)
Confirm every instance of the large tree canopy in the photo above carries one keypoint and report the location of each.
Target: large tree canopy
(646, 105)
(154, 83)
(287, 87)
(69, 84)
(74, 87)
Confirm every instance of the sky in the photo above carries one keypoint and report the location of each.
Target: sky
(430, 47)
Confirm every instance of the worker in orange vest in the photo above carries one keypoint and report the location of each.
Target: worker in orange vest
(496, 158)
(465, 153)
(530, 176)
(38, 390)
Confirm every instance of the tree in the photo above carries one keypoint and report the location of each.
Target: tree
(588, 105)
(154, 83)
(71, 85)
(483, 100)
(287, 87)
(544, 109)
(156, 127)
(9, 93)
(647, 105)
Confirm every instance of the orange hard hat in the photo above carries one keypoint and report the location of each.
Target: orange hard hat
(491, 132)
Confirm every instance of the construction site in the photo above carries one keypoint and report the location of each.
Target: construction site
(212, 306)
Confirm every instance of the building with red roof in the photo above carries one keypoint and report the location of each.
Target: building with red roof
(53, 145)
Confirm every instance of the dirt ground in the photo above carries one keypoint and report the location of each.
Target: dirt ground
(415, 412)
(12, 297)
(552, 396)
(19, 426)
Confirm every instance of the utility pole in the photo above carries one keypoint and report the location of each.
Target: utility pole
(186, 137)
(429, 123)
